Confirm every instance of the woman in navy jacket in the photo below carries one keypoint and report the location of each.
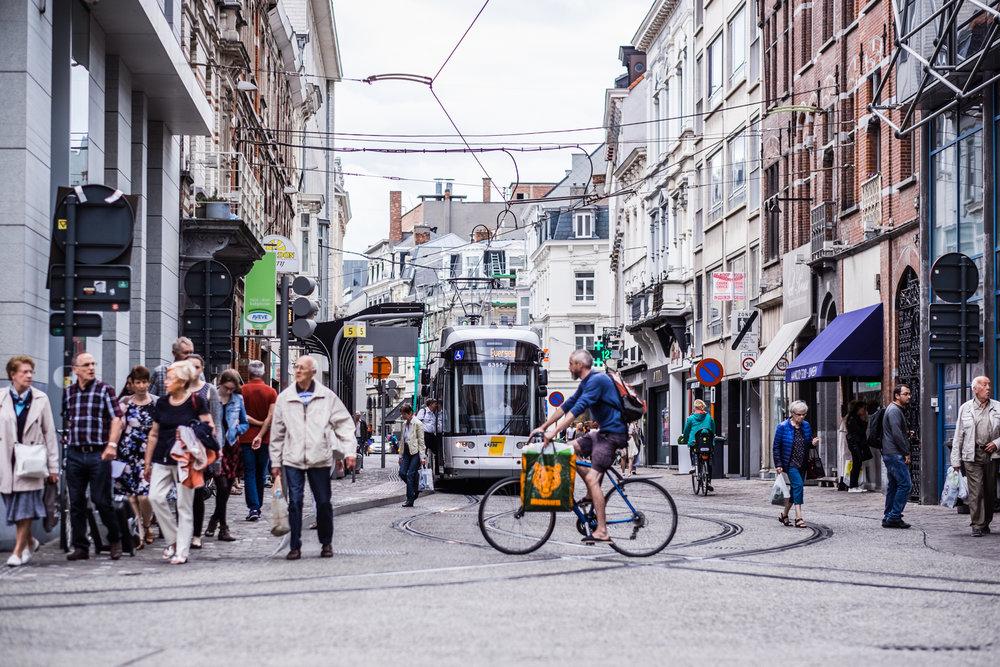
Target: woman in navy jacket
(792, 440)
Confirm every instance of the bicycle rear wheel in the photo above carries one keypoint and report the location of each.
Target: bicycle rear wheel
(506, 526)
(704, 477)
(642, 519)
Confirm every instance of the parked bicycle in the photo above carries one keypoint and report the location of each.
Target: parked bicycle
(641, 516)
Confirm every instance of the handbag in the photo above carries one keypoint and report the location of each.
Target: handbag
(279, 511)
(547, 478)
(30, 461)
(814, 468)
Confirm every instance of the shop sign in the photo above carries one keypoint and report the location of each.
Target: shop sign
(259, 294)
(284, 252)
(728, 286)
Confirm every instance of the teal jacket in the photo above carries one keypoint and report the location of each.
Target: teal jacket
(695, 423)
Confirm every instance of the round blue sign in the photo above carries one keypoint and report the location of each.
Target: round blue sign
(709, 372)
(556, 399)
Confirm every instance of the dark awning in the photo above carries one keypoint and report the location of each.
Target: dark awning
(850, 346)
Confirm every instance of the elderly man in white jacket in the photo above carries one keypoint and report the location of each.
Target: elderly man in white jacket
(311, 428)
(977, 436)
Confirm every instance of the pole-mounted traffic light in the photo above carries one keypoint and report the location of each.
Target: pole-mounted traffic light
(304, 308)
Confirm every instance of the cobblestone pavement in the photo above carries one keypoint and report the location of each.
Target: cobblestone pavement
(733, 587)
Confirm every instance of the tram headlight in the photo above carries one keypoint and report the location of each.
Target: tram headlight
(461, 444)
(521, 445)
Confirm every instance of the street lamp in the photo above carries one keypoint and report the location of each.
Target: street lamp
(246, 86)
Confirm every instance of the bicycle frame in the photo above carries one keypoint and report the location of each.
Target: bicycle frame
(584, 519)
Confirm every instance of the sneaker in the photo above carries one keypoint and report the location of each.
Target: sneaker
(977, 532)
(709, 487)
(253, 515)
(14, 561)
(25, 556)
(897, 523)
(196, 543)
(857, 489)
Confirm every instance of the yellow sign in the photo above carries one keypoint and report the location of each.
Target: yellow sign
(61, 224)
(497, 442)
(355, 330)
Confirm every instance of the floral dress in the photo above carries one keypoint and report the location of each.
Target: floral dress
(132, 448)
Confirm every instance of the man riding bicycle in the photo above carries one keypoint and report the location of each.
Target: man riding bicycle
(697, 422)
(597, 392)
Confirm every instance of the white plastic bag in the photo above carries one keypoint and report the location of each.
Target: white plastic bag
(780, 491)
(279, 511)
(952, 484)
(963, 487)
(426, 482)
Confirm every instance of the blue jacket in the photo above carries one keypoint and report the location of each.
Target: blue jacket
(236, 418)
(783, 436)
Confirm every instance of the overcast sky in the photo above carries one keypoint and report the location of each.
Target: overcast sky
(526, 65)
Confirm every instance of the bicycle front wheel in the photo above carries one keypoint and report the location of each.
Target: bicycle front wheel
(642, 518)
(505, 524)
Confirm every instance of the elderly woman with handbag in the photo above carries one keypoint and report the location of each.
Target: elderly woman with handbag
(29, 454)
(792, 440)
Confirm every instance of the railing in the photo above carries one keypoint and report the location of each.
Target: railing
(824, 230)
(230, 176)
(871, 204)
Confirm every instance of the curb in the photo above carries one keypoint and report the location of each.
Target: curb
(350, 508)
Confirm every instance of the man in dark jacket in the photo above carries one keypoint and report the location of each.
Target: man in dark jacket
(896, 456)
(361, 432)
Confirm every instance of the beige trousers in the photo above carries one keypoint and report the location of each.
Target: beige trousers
(178, 531)
(982, 478)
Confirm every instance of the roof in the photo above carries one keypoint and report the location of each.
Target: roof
(460, 334)
(559, 224)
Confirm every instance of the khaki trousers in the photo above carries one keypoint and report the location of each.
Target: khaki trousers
(982, 479)
(179, 531)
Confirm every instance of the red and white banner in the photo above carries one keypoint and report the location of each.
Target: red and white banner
(729, 286)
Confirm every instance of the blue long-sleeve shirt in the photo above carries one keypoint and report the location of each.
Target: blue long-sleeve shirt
(598, 394)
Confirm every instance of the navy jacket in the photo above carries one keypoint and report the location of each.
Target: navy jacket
(782, 447)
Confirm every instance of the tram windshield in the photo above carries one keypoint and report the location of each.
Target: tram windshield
(493, 398)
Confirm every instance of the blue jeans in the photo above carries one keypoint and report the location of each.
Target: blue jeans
(319, 483)
(256, 463)
(797, 483)
(409, 472)
(897, 491)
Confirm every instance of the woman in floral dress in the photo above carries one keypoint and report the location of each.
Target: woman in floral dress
(138, 409)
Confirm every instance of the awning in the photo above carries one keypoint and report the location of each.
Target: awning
(776, 349)
(851, 345)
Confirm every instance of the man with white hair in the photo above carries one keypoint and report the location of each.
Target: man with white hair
(259, 399)
(311, 428)
(974, 446)
(181, 349)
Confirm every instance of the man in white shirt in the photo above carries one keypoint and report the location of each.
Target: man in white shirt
(432, 418)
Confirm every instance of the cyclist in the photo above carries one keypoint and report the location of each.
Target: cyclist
(699, 420)
(597, 392)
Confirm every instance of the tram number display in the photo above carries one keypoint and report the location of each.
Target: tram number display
(495, 448)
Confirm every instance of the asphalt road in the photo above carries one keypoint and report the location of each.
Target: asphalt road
(420, 586)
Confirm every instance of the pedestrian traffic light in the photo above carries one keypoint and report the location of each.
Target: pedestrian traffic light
(304, 308)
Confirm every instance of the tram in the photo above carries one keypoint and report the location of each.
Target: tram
(491, 384)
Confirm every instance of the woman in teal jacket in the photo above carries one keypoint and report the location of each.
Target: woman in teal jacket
(698, 421)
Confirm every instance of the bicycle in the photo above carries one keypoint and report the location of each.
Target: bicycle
(702, 473)
(634, 531)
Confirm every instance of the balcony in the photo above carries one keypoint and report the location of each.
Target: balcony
(230, 176)
(824, 230)
(871, 205)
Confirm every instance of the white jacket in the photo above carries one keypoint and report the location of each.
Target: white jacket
(310, 435)
(963, 444)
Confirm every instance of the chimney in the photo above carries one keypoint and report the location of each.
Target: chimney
(395, 216)
(421, 234)
(480, 234)
(487, 186)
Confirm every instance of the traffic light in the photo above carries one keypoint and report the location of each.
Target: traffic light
(304, 308)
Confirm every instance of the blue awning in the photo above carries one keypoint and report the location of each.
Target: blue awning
(850, 346)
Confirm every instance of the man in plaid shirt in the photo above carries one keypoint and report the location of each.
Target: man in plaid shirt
(93, 419)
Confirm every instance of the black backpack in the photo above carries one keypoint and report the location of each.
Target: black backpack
(873, 437)
(632, 407)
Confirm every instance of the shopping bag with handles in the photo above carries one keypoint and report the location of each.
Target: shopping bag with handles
(547, 477)
(426, 481)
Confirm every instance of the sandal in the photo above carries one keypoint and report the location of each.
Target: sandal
(800, 523)
(783, 518)
(177, 560)
(149, 535)
(169, 552)
(590, 539)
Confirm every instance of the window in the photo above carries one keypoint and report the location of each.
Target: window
(79, 96)
(304, 251)
(753, 275)
(656, 126)
(471, 266)
(699, 103)
(584, 336)
(584, 224)
(525, 311)
(664, 112)
(714, 70)
(494, 262)
(455, 266)
(772, 212)
(713, 308)
(679, 114)
(737, 45)
(754, 140)
(755, 42)
(584, 285)
(738, 168)
(714, 168)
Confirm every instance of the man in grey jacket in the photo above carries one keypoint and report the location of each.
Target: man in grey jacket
(977, 436)
(896, 456)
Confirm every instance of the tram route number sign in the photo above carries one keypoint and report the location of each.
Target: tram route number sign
(355, 330)
(381, 368)
(709, 372)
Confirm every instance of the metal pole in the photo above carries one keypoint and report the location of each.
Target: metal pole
(963, 331)
(385, 440)
(207, 331)
(69, 284)
(283, 332)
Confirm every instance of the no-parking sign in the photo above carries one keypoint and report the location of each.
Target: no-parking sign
(556, 399)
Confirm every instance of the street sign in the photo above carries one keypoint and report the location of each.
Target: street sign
(366, 348)
(782, 365)
(285, 254)
(355, 330)
(84, 324)
(556, 399)
(381, 367)
(106, 287)
(743, 322)
(947, 280)
(709, 372)
(211, 332)
(747, 360)
(950, 323)
(209, 281)
(105, 220)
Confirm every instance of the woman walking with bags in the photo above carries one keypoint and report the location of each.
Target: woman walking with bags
(234, 424)
(29, 454)
(207, 393)
(138, 407)
(792, 440)
(180, 407)
(856, 425)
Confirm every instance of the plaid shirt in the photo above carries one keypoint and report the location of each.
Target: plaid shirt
(158, 383)
(89, 412)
